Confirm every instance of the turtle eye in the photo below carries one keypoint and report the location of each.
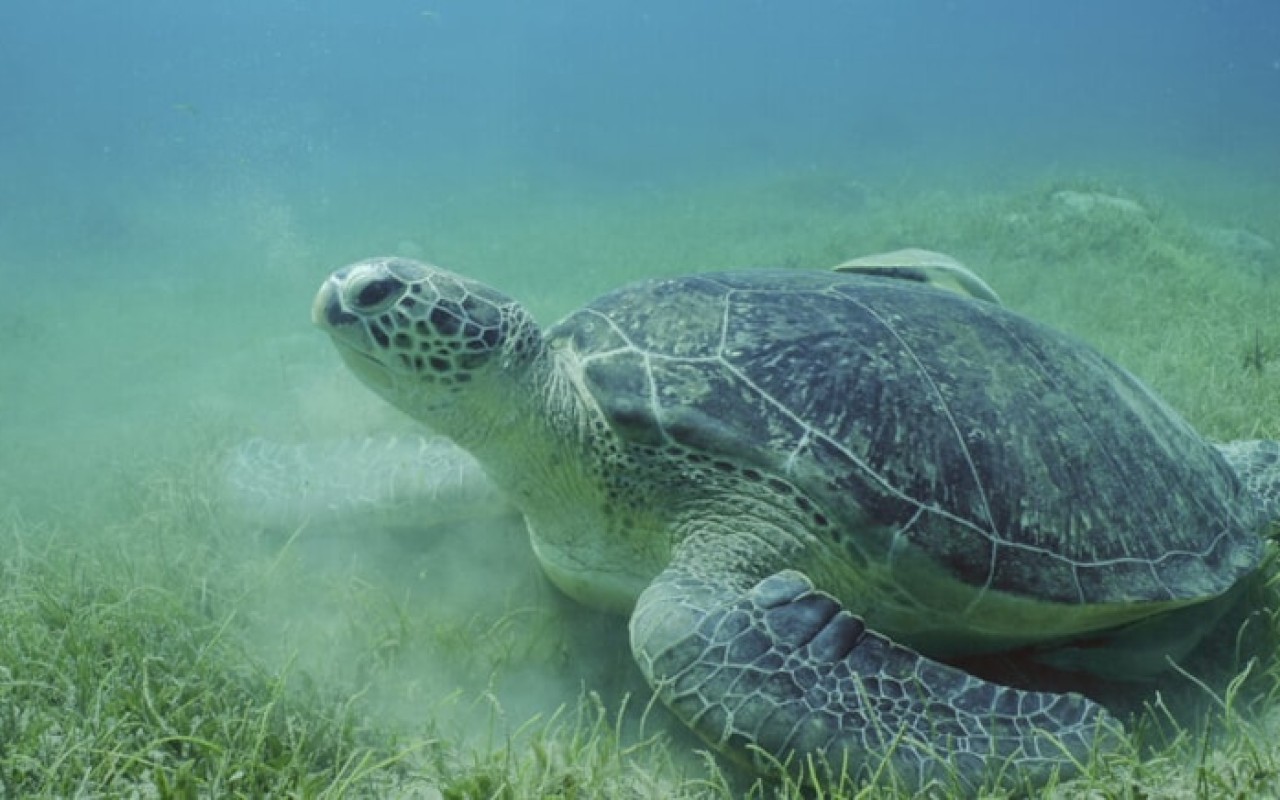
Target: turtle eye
(376, 295)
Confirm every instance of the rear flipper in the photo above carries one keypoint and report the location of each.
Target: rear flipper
(1257, 462)
(780, 674)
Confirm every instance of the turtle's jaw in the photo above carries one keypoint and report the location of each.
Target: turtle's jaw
(372, 372)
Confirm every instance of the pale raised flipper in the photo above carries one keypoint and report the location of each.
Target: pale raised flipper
(390, 480)
(923, 266)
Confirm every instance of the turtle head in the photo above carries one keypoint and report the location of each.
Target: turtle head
(424, 338)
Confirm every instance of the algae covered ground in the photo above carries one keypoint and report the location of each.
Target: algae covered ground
(156, 644)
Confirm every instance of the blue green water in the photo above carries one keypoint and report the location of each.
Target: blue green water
(177, 177)
(377, 109)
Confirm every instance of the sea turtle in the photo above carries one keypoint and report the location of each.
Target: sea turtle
(811, 490)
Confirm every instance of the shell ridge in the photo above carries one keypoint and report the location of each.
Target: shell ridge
(989, 532)
(946, 411)
(809, 433)
(1050, 376)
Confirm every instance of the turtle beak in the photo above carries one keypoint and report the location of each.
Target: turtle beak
(327, 311)
(348, 333)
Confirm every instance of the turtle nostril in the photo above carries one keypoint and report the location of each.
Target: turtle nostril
(331, 312)
(375, 294)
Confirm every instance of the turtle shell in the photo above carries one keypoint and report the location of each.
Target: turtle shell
(1011, 456)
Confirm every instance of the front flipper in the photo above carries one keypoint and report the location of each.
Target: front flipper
(778, 673)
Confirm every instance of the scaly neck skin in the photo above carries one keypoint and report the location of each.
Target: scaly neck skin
(520, 423)
(531, 436)
(523, 427)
